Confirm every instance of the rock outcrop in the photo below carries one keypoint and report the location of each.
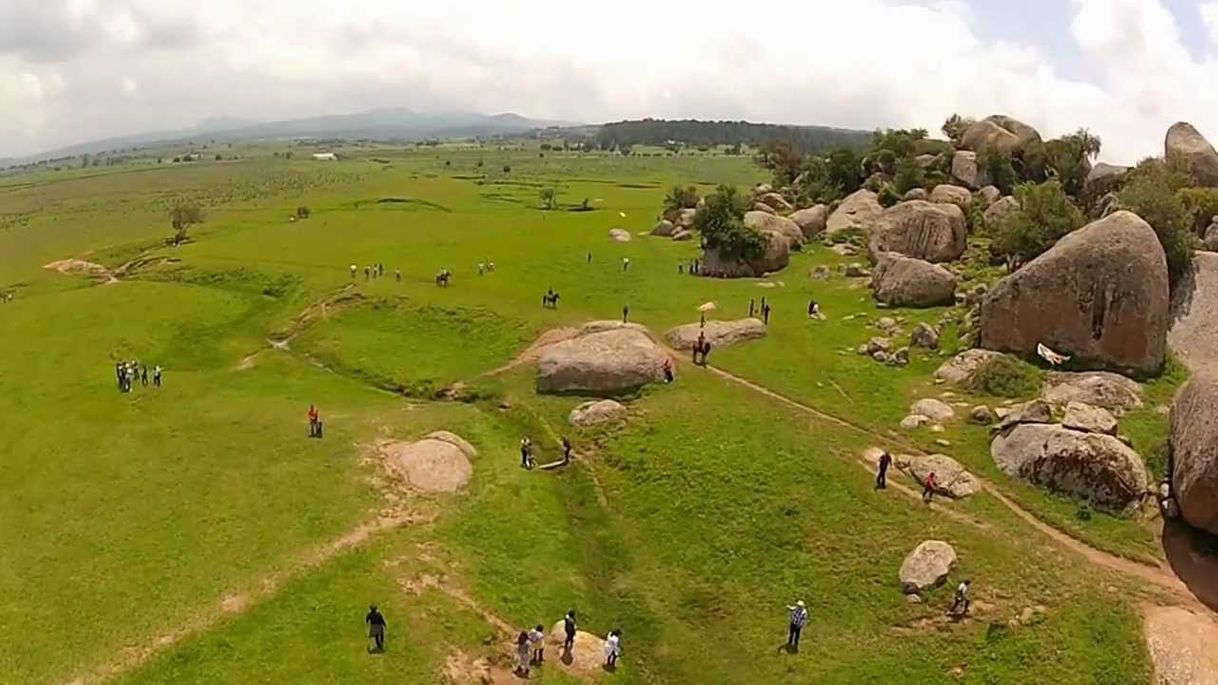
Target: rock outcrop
(596, 412)
(1194, 449)
(718, 333)
(1089, 419)
(954, 195)
(664, 228)
(774, 225)
(1001, 209)
(1100, 295)
(951, 479)
(776, 202)
(933, 232)
(1090, 466)
(1186, 143)
(989, 195)
(1000, 132)
(902, 281)
(857, 211)
(927, 566)
(1181, 645)
(608, 358)
(440, 462)
(935, 410)
(960, 369)
(966, 171)
(1032, 411)
(811, 220)
(1103, 179)
(775, 258)
(1112, 391)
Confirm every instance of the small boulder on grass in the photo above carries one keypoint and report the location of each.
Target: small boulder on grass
(924, 335)
(982, 415)
(935, 410)
(927, 566)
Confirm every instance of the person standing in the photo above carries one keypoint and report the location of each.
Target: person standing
(566, 450)
(118, 374)
(752, 307)
(526, 452)
(397, 275)
(799, 617)
(813, 309)
(613, 648)
(928, 487)
(376, 629)
(668, 374)
(144, 375)
(765, 313)
(881, 477)
(537, 638)
(702, 324)
(353, 270)
(156, 375)
(522, 653)
(625, 264)
(960, 602)
(569, 629)
(589, 257)
(625, 313)
(314, 417)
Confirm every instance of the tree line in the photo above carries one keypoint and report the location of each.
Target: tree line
(659, 132)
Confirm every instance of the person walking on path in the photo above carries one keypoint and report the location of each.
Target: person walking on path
(376, 629)
(569, 628)
(928, 487)
(613, 648)
(799, 617)
(537, 637)
(522, 653)
(960, 602)
(881, 477)
(668, 374)
(566, 450)
(156, 375)
(703, 322)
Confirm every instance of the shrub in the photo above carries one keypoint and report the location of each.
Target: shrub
(1152, 192)
(1045, 215)
(303, 212)
(909, 175)
(888, 195)
(680, 198)
(998, 166)
(721, 223)
(1005, 376)
(1201, 204)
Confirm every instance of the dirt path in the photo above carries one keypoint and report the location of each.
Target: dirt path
(1194, 331)
(132, 657)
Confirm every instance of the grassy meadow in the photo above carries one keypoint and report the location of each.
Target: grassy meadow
(187, 533)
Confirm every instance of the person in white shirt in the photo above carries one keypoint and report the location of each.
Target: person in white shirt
(961, 601)
(799, 617)
(537, 638)
(613, 648)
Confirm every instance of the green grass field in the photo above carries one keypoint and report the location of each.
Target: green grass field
(194, 534)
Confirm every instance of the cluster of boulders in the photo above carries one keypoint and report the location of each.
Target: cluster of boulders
(881, 348)
(677, 224)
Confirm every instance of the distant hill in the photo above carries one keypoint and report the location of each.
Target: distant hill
(377, 124)
(696, 132)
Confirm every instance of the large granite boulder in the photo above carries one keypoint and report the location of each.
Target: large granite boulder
(1194, 449)
(774, 225)
(608, 359)
(1089, 419)
(1000, 132)
(954, 195)
(924, 230)
(811, 220)
(1104, 178)
(1090, 466)
(664, 228)
(1181, 645)
(1112, 391)
(966, 171)
(776, 202)
(718, 333)
(951, 479)
(1099, 295)
(1001, 209)
(902, 281)
(1187, 143)
(775, 258)
(857, 211)
(927, 566)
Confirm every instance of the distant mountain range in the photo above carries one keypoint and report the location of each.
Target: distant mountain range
(377, 124)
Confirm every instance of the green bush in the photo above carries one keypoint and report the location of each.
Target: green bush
(680, 198)
(1201, 204)
(1152, 191)
(721, 223)
(909, 175)
(1045, 215)
(999, 167)
(1005, 376)
(888, 195)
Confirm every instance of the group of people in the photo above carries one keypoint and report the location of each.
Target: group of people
(765, 310)
(530, 645)
(375, 271)
(131, 372)
(526, 453)
(550, 299)
(484, 267)
(315, 425)
(693, 268)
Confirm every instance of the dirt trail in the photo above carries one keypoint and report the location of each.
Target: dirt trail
(1194, 331)
(135, 656)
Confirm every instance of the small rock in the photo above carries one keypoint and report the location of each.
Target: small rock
(886, 324)
(856, 270)
(924, 335)
(878, 345)
(935, 410)
(981, 415)
(820, 273)
(943, 443)
(845, 250)
(900, 357)
(914, 421)
(880, 356)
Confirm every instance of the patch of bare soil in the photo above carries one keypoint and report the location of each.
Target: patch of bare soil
(78, 267)
(461, 669)
(432, 464)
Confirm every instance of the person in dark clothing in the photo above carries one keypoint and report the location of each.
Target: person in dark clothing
(765, 314)
(752, 307)
(376, 629)
(668, 375)
(566, 451)
(569, 628)
(625, 313)
(813, 309)
(799, 617)
(144, 376)
(702, 324)
(881, 478)
(156, 375)
(589, 257)
(960, 602)
(118, 375)
(314, 422)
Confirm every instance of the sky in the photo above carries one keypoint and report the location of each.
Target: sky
(79, 70)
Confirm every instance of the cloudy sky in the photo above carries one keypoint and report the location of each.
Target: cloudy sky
(76, 70)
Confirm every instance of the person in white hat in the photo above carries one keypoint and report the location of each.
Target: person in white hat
(799, 616)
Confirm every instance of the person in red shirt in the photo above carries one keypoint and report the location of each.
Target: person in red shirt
(314, 422)
(928, 488)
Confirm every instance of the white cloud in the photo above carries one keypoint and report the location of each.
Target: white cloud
(863, 63)
(1209, 17)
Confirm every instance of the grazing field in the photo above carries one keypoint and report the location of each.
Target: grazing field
(193, 533)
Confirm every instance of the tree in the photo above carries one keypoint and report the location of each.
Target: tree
(549, 198)
(783, 160)
(844, 171)
(507, 168)
(182, 217)
(680, 198)
(998, 166)
(303, 212)
(955, 126)
(1152, 191)
(1045, 214)
(721, 223)
(909, 175)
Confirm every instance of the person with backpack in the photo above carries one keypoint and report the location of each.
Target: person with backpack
(799, 618)
(881, 477)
